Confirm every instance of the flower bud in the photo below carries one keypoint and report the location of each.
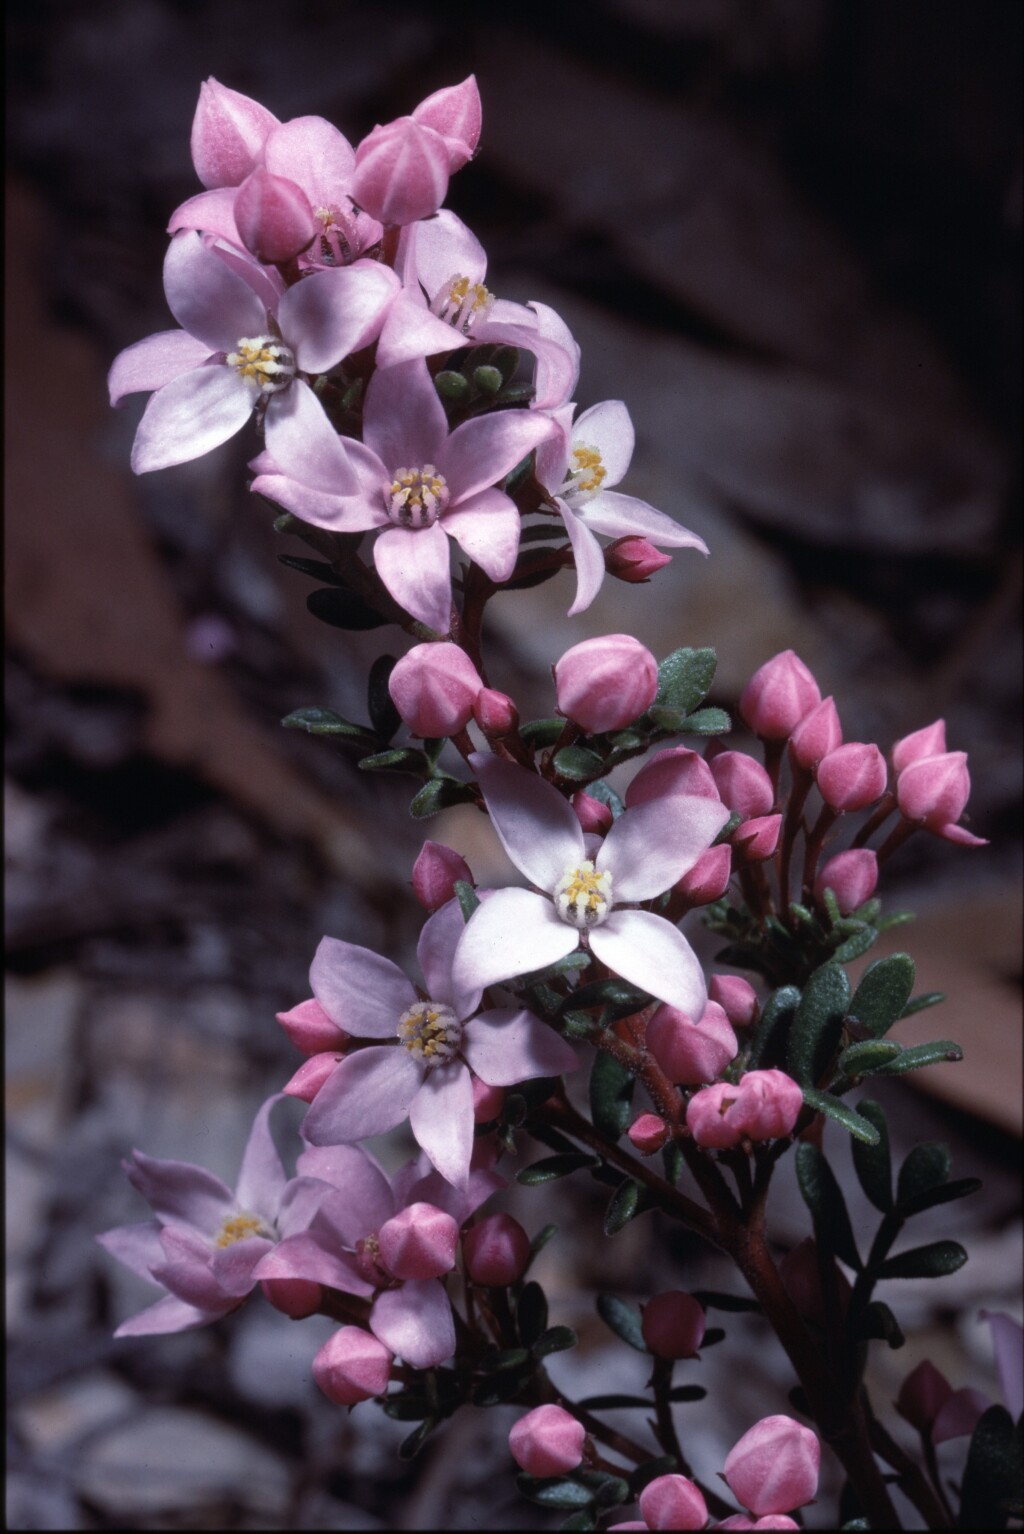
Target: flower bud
(311, 1075)
(634, 560)
(496, 1251)
(401, 172)
(778, 696)
(673, 1502)
(687, 1051)
(454, 112)
(648, 1133)
(434, 688)
(851, 876)
(852, 776)
(922, 1396)
(675, 771)
(435, 874)
(709, 877)
(756, 840)
(310, 1029)
(770, 1104)
(487, 1102)
(931, 741)
(352, 1366)
(495, 713)
(604, 684)
(547, 1441)
(711, 1116)
(737, 998)
(273, 216)
(818, 733)
(774, 1466)
(743, 785)
(933, 790)
(229, 131)
(773, 1521)
(419, 1242)
(295, 1297)
(592, 815)
(673, 1325)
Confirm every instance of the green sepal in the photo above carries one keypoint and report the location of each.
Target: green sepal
(873, 1163)
(925, 1168)
(557, 1339)
(883, 993)
(554, 1493)
(439, 794)
(773, 1025)
(467, 897)
(685, 677)
(732, 824)
(531, 1314)
(861, 1059)
(383, 713)
(817, 1024)
(935, 1260)
(920, 1055)
(398, 759)
(577, 764)
(318, 569)
(611, 1095)
(344, 610)
(824, 1198)
(625, 1204)
(878, 1324)
(553, 1167)
(706, 721)
(542, 732)
(324, 721)
(623, 1320)
(606, 795)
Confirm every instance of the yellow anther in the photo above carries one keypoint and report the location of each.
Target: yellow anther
(589, 473)
(583, 896)
(430, 1032)
(264, 362)
(236, 1227)
(417, 496)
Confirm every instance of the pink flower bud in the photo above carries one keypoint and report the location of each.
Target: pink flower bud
(673, 1325)
(311, 1075)
(851, 876)
(295, 1297)
(273, 216)
(711, 1116)
(592, 815)
(709, 877)
(547, 1441)
(774, 1467)
(931, 741)
(852, 776)
(634, 560)
(401, 172)
(743, 785)
(741, 1521)
(673, 1502)
(818, 733)
(756, 840)
(229, 131)
(419, 1242)
(352, 1366)
(496, 1251)
(959, 1415)
(737, 998)
(648, 1133)
(690, 1052)
(675, 771)
(434, 688)
(495, 713)
(933, 792)
(922, 1396)
(454, 112)
(778, 696)
(605, 683)
(770, 1104)
(310, 1029)
(435, 874)
(487, 1102)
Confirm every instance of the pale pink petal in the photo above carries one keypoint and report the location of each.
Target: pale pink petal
(1008, 1342)
(137, 1246)
(187, 1268)
(233, 1265)
(415, 1323)
(265, 281)
(212, 212)
(339, 513)
(261, 1180)
(439, 939)
(299, 1203)
(443, 247)
(537, 827)
(190, 416)
(480, 452)
(403, 419)
(151, 363)
(414, 565)
(460, 1203)
(654, 844)
(589, 557)
(441, 1118)
(306, 1256)
(513, 933)
(607, 427)
(558, 367)
(623, 516)
(313, 153)
(366, 1200)
(960, 834)
(486, 527)
(368, 1094)
(552, 460)
(178, 1191)
(649, 952)
(359, 990)
(507, 1045)
(303, 442)
(330, 314)
(207, 298)
(410, 331)
(168, 1315)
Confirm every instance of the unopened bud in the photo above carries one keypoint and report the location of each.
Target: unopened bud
(455, 113)
(851, 876)
(743, 784)
(487, 1102)
(487, 379)
(311, 1075)
(495, 713)
(818, 733)
(352, 1366)
(401, 172)
(310, 1029)
(634, 560)
(922, 1396)
(435, 874)
(592, 815)
(852, 776)
(673, 1325)
(434, 688)
(419, 1242)
(452, 385)
(931, 741)
(675, 771)
(737, 998)
(547, 1441)
(496, 1251)
(605, 683)
(756, 840)
(648, 1133)
(690, 1052)
(774, 1466)
(933, 791)
(709, 877)
(778, 696)
(295, 1297)
(673, 1502)
(273, 216)
(229, 131)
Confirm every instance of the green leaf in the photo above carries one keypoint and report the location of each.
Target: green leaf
(324, 721)
(713, 1335)
(383, 713)
(669, 719)
(873, 1163)
(778, 1013)
(989, 1483)
(623, 1320)
(577, 763)
(818, 1024)
(926, 1167)
(732, 824)
(625, 1204)
(317, 568)
(577, 1025)
(855, 945)
(408, 1406)
(673, 1162)
(862, 1059)
(706, 721)
(608, 1490)
(557, 1339)
(687, 1393)
(511, 1358)
(946, 1193)
(398, 759)
(920, 1055)
(883, 992)
(615, 1402)
(515, 477)
(926, 999)
(542, 732)
(581, 1520)
(605, 794)
(554, 1493)
(553, 1167)
(531, 1314)
(936, 1260)
(412, 1445)
(713, 1299)
(685, 677)
(467, 897)
(344, 610)
(878, 1324)
(544, 1235)
(824, 1198)
(611, 1095)
(439, 794)
(615, 996)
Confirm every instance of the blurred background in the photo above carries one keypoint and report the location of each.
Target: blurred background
(787, 234)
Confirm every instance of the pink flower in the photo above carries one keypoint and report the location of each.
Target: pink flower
(818, 733)
(675, 771)
(434, 687)
(691, 1052)
(578, 900)
(673, 1324)
(547, 1441)
(634, 560)
(648, 1133)
(352, 1366)
(605, 683)
(578, 467)
(229, 131)
(434, 1041)
(669, 1502)
(416, 482)
(932, 791)
(496, 1251)
(852, 776)
(774, 1466)
(778, 696)
(742, 783)
(455, 112)
(229, 359)
(401, 172)
(851, 876)
(756, 839)
(763, 1106)
(930, 741)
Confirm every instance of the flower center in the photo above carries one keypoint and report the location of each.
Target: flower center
(462, 303)
(586, 473)
(265, 363)
(237, 1227)
(583, 896)
(368, 1259)
(417, 496)
(430, 1031)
